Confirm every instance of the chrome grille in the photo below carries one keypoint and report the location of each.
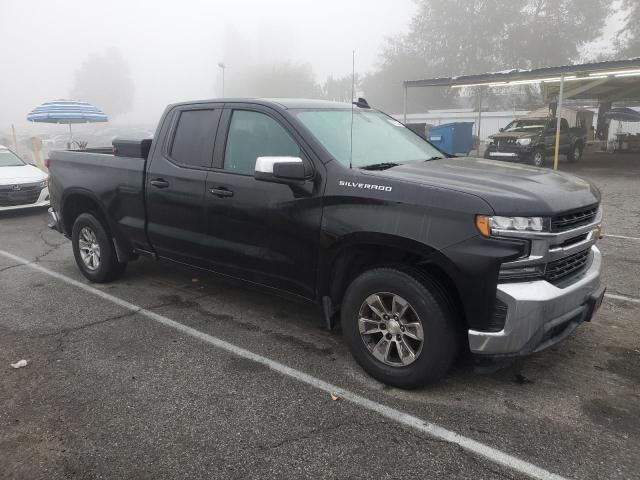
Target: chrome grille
(567, 221)
(23, 187)
(506, 141)
(566, 266)
(28, 193)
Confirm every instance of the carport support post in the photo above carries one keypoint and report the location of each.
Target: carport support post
(404, 103)
(558, 122)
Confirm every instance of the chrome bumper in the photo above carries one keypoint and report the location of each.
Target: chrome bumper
(540, 314)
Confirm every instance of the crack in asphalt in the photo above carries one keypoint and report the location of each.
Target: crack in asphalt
(66, 331)
(4, 269)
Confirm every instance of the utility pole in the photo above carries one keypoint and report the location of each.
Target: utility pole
(558, 122)
(13, 138)
(222, 67)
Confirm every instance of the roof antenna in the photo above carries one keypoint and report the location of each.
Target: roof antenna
(353, 94)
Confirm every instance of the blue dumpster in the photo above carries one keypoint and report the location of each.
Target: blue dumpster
(454, 138)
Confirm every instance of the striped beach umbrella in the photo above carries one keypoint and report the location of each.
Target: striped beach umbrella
(67, 112)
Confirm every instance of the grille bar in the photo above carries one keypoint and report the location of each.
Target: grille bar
(24, 187)
(12, 199)
(564, 267)
(571, 220)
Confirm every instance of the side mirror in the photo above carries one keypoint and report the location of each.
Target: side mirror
(501, 130)
(280, 169)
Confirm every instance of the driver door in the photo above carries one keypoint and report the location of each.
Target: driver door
(263, 232)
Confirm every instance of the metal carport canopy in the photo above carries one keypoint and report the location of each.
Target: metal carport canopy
(612, 81)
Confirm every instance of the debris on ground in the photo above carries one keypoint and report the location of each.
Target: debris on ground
(19, 364)
(334, 396)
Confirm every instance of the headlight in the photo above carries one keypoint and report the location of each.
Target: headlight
(493, 225)
(523, 141)
(44, 184)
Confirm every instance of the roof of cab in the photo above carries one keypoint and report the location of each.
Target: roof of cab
(284, 103)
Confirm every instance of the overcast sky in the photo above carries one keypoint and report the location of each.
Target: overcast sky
(173, 47)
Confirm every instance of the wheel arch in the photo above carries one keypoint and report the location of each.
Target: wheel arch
(78, 201)
(358, 252)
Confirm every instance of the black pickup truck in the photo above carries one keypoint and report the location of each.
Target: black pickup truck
(417, 254)
(532, 140)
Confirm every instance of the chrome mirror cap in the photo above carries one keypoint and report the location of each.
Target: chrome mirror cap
(265, 164)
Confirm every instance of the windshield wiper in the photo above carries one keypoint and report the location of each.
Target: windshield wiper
(379, 166)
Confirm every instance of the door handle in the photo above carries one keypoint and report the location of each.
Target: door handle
(159, 182)
(221, 192)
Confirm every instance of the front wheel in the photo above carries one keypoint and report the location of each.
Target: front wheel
(94, 251)
(575, 153)
(537, 158)
(400, 328)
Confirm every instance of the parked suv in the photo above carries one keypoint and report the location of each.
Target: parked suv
(532, 140)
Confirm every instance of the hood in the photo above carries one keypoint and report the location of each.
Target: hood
(529, 134)
(510, 188)
(21, 174)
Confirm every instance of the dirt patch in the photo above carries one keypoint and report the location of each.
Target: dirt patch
(625, 363)
(618, 414)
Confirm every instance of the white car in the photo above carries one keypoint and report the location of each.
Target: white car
(21, 185)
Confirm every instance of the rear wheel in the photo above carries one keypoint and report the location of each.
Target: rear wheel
(400, 327)
(537, 158)
(94, 251)
(575, 153)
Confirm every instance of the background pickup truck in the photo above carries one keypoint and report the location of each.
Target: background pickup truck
(532, 140)
(416, 253)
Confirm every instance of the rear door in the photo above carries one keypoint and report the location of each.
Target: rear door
(267, 233)
(550, 138)
(175, 182)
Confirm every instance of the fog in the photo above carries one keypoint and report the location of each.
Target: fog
(173, 48)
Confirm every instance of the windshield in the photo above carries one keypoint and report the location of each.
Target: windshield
(377, 138)
(525, 125)
(10, 159)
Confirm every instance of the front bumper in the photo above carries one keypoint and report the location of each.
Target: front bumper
(42, 201)
(541, 314)
(513, 154)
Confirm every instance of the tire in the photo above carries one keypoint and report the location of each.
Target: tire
(537, 158)
(428, 305)
(575, 153)
(93, 250)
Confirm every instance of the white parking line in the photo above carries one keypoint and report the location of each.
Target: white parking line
(622, 297)
(605, 235)
(492, 454)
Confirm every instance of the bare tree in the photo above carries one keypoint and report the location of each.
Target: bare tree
(457, 37)
(104, 79)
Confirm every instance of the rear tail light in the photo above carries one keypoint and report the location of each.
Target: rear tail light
(47, 162)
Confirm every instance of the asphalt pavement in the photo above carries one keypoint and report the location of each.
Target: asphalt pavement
(110, 391)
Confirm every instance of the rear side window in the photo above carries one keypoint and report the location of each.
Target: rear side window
(253, 135)
(194, 136)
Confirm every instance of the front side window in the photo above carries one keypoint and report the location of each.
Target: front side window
(10, 159)
(253, 135)
(375, 139)
(193, 140)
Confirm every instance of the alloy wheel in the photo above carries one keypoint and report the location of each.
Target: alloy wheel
(89, 248)
(390, 329)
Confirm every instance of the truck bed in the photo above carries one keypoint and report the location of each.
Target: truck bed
(115, 182)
